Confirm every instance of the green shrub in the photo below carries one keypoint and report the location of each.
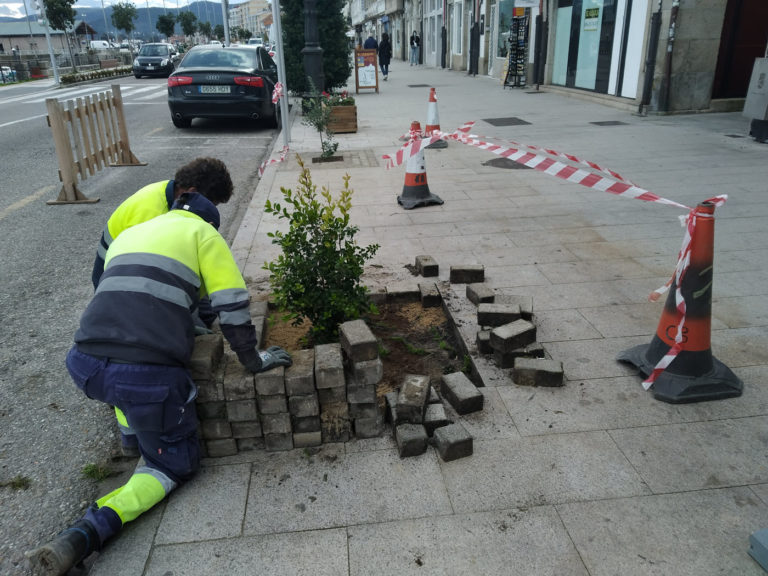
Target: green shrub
(317, 276)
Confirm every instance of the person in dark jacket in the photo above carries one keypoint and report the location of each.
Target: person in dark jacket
(415, 44)
(370, 42)
(385, 54)
(132, 350)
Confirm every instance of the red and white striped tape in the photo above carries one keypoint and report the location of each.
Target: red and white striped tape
(277, 93)
(266, 163)
(585, 173)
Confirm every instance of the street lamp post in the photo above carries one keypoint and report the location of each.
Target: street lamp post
(313, 53)
(104, 13)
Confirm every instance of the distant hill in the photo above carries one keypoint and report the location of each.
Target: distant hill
(145, 19)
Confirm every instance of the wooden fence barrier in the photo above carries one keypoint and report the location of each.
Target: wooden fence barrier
(89, 133)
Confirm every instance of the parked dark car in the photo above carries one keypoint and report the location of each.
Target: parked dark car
(223, 82)
(155, 59)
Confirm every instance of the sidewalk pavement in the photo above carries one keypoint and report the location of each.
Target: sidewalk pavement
(595, 478)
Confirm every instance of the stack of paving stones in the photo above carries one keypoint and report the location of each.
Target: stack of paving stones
(418, 417)
(328, 394)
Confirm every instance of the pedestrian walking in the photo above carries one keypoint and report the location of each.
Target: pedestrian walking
(415, 43)
(385, 54)
(132, 350)
(370, 42)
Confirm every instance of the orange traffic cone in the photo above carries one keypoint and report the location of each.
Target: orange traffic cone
(693, 375)
(416, 190)
(433, 121)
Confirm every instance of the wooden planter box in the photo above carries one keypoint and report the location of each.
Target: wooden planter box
(343, 119)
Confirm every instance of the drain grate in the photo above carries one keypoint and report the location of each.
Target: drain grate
(537, 92)
(511, 121)
(734, 136)
(609, 123)
(419, 86)
(506, 163)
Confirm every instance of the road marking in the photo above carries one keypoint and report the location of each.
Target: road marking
(24, 201)
(23, 120)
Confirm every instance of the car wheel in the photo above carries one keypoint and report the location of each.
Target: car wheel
(181, 122)
(137, 76)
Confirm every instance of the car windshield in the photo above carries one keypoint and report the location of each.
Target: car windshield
(220, 58)
(154, 51)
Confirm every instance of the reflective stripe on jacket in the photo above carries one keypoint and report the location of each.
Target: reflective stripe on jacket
(155, 274)
(152, 200)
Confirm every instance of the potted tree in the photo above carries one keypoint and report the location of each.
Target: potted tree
(343, 118)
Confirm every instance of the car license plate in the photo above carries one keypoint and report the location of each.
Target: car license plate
(214, 89)
(150, 67)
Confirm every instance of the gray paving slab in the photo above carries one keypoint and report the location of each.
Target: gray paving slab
(540, 470)
(588, 359)
(762, 492)
(331, 489)
(563, 324)
(686, 534)
(500, 543)
(493, 422)
(313, 553)
(127, 555)
(212, 505)
(697, 455)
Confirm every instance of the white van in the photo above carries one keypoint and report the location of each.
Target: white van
(100, 45)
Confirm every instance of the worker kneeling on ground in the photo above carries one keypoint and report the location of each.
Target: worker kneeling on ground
(135, 340)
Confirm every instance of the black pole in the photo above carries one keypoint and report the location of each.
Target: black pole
(313, 53)
(444, 38)
(650, 59)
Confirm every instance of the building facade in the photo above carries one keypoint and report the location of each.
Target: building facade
(659, 56)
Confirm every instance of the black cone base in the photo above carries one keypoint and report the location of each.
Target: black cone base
(420, 197)
(437, 144)
(717, 384)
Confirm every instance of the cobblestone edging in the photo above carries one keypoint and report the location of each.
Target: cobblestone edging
(329, 393)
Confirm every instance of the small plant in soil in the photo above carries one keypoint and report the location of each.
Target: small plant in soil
(97, 472)
(17, 483)
(317, 275)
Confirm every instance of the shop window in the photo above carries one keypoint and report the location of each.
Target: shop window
(458, 28)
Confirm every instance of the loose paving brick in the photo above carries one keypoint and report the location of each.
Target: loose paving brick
(334, 422)
(494, 314)
(307, 439)
(220, 448)
(480, 293)
(270, 382)
(303, 406)
(238, 382)
(278, 442)
(427, 266)
(467, 274)
(435, 417)
(274, 404)
(512, 336)
(250, 429)
(276, 423)
(459, 391)
(368, 427)
(453, 442)
(242, 410)
(538, 372)
(300, 376)
(358, 342)
(430, 295)
(412, 398)
(411, 439)
(329, 367)
(206, 355)
(216, 429)
(306, 424)
(483, 342)
(365, 373)
(249, 444)
(525, 303)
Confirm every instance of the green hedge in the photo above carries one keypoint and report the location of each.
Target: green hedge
(96, 74)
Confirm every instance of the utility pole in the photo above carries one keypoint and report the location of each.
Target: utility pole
(40, 9)
(281, 72)
(225, 20)
(31, 36)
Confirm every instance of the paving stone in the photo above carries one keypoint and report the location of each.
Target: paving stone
(357, 341)
(507, 359)
(525, 303)
(209, 390)
(278, 442)
(365, 410)
(260, 327)
(259, 308)
(251, 429)
(334, 422)
(238, 382)
(365, 373)
(307, 439)
(459, 391)
(427, 266)
(537, 372)
(222, 447)
(206, 355)
(377, 295)
(391, 410)
(274, 404)
(249, 444)
(216, 429)
(411, 439)
(306, 424)
(368, 427)
(270, 382)
(412, 398)
(362, 395)
(480, 293)
(276, 423)
(242, 410)
(495, 314)
(332, 395)
(483, 342)
(429, 295)
(408, 292)
(329, 368)
(211, 410)
(300, 376)
(434, 418)
(512, 336)
(453, 442)
(303, 406)
(434, 396)
(467, 274)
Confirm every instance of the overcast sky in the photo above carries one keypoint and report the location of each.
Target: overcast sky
(16, 9)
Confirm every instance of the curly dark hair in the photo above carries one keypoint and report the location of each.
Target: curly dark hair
(209, 176)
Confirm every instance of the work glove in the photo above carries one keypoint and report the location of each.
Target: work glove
(272, 357)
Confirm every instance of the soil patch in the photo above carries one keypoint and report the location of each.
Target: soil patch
(413, 340)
